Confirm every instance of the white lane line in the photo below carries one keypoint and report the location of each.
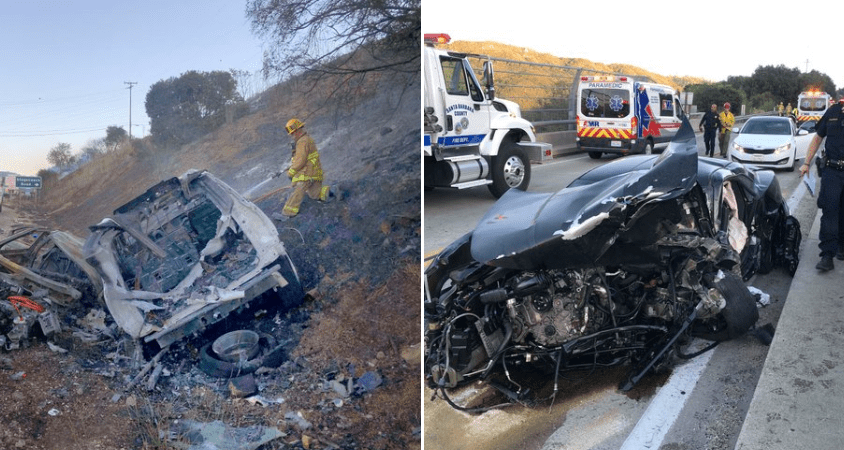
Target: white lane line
(666, 405)
(796, 196)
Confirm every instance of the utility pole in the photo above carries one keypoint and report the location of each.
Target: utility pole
(807, 66)
(131, 84)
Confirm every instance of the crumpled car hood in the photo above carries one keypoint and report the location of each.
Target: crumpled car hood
(576, 225)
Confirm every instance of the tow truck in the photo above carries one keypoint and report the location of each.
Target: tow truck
(471, 138)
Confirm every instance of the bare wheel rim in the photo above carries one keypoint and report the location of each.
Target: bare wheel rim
(514, 171)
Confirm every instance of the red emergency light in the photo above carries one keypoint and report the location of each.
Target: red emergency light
(437, 38)
(603, 78)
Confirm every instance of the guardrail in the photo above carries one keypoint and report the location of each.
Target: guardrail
(547, 93)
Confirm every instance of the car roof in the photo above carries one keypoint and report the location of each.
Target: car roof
(768, 119)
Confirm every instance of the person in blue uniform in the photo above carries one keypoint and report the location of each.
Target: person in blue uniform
(831, 196)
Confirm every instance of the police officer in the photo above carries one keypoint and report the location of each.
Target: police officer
(831, 126)
(710, 124)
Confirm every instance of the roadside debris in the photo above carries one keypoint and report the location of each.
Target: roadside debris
(762, 298)
(191, 435)
(179, 258)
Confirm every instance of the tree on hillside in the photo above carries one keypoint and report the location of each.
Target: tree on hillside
(782, 82)
(248, 83)
(184, 108)
(323, 35)
(817, 80)
(93, 148)
(48, 177)
(60, 155)
(718, 94)
(114, 136)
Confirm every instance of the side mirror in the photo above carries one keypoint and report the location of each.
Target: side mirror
(489, 80)
(802, 132)
(735, 129)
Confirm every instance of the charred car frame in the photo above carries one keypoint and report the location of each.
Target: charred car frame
(186, 254)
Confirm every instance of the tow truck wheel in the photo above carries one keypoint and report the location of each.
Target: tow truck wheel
(595, 155)
(510, 169)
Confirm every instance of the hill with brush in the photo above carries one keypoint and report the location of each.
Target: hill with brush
(505, 51)
(358, 257)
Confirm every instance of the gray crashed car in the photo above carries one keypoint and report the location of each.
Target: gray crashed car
(185, 255)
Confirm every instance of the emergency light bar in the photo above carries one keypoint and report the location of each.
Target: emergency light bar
(437, 38)
(603, 78)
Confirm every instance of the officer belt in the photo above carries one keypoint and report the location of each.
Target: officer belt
(835, 164)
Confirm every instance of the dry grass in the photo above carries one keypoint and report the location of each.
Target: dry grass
(537, 86)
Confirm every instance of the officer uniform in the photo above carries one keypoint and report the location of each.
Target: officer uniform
(710, 124)
(831, 126)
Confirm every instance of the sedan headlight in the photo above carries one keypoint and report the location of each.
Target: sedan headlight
(783, 148)
(738, 148)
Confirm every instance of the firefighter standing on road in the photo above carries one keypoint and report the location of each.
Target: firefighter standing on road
(305, 170)
(831, 127)
(727, 121)
(709, 124)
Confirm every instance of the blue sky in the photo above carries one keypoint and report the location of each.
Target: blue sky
(65, 65)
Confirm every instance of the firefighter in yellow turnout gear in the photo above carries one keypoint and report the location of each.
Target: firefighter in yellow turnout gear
(305, 170)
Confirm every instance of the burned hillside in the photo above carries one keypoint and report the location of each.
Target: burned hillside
(339, 371)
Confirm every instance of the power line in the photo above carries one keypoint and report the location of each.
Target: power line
(51, 132)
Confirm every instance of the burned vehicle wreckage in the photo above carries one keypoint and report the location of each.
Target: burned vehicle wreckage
(42, 270)
(179, 258)
(625, 266)
(185, 255)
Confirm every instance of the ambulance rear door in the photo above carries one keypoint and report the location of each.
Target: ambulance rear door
(605, 114)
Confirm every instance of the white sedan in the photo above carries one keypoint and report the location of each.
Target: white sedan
(770, 141)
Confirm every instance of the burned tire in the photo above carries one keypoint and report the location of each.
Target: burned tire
(510, 169)
(738, 316)
(273, 355)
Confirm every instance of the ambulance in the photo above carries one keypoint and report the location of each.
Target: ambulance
(617, 114)
(811, 105)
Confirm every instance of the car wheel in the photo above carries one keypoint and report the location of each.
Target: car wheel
(595, 155)
(739, 314)
(510, 169)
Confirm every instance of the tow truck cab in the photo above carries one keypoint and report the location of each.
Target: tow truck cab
(471, 137)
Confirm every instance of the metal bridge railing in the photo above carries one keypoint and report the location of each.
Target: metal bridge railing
(547, 93)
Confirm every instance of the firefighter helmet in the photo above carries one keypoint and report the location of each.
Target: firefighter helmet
(293, 125)
(727, 105)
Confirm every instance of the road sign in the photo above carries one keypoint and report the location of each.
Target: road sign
(27, 182)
